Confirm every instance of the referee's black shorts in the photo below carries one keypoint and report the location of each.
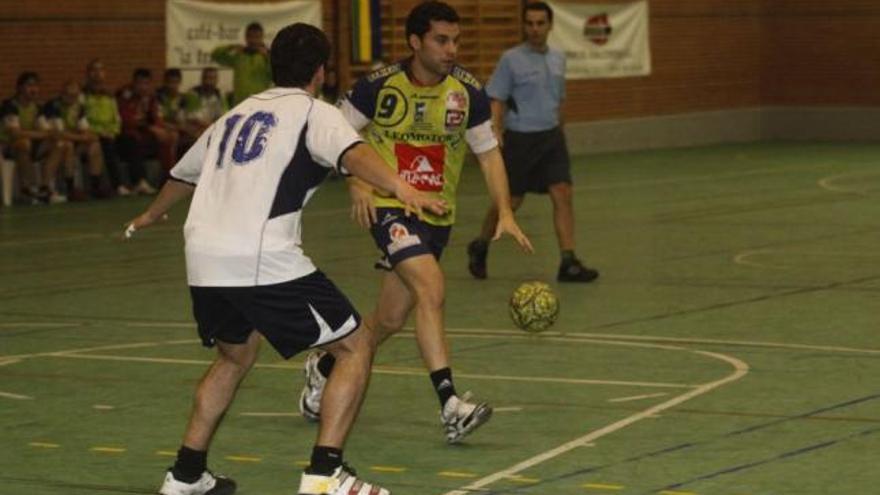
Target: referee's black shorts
(535, 160)
(293, 316)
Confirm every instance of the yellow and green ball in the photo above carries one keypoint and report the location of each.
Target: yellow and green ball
(533, 306)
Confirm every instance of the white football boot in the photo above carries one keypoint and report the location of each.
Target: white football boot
(343, 481)
(461, 417)
(208, 484)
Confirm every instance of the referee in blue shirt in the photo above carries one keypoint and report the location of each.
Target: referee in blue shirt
(527, 89)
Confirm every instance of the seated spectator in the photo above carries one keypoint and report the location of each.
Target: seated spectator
(205, 102)
(144, 132)
(27, 139)
(102, 114)
(66, 117)
(172, 104)
(251, 71)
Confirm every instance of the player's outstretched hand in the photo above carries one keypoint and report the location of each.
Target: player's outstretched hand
(141, 221)
(507, 225)
(363, 209)
(416, 201)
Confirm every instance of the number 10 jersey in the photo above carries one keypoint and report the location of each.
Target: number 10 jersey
(254, 171)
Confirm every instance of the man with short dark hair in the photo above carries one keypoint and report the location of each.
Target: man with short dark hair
(144, 131)
(251, 68)
(252, 173)
(204, 103)
(27, 138)
(421, 115)
(527, 90)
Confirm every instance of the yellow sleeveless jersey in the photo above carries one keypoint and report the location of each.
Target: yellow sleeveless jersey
(422, 132)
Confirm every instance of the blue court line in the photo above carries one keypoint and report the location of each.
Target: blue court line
(784, 455)
(680, 447)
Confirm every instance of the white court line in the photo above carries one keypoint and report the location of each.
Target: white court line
(677, 340)
(827, 183)
(37, 324)
(740, 370)
(8, 395)
(637, 397)
(376, 369)
(743, 259)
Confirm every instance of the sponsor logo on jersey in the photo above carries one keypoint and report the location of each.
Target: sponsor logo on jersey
(400, 238)
(421, 108)
(421, 166)
(456, 104)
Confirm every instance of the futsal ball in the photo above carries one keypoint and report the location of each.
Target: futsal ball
(533, 306)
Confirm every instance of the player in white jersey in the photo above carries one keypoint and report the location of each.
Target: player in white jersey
(252, 172)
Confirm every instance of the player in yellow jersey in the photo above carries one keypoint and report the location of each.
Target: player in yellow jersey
(421, 115)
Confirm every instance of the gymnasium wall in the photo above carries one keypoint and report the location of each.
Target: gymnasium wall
(708, 55)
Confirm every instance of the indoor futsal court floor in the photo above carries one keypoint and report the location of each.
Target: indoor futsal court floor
(729, 348)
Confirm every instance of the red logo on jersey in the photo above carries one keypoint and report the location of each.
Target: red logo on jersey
(421, 166)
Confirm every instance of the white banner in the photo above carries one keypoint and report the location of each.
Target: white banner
(602, 41)
(193, 29)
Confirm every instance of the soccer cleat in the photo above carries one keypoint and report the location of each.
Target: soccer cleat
(310, 399)
(461, 417)
(122, 191)
(478, 251)
(343, 481)
(574, 271)
(208, 484)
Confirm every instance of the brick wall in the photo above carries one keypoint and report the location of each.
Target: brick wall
(707, 54)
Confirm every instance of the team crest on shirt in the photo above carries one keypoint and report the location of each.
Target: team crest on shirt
(456, 104)
(400, 238)
(421, 166)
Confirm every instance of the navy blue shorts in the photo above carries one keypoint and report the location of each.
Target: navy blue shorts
(400, 237)
(293, 316)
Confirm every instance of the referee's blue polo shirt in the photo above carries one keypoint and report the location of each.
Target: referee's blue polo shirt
(535, 82)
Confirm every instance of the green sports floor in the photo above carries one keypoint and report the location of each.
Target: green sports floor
(730, 346)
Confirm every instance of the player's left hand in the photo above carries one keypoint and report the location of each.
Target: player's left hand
(415, 201)
(507, 225)
(363, 208)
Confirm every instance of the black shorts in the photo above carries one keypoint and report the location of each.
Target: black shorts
(293, 316)
(535, 160)
(400, 237)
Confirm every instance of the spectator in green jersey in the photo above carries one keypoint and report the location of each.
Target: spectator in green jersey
(251, 72)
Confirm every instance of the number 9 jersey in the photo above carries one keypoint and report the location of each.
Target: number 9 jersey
(421, 131)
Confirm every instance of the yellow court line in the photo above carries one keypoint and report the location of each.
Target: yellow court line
(388, 469)
(108, 450)
(603, 486)
(456, 474)
(671, 492)
(44, 445)
(166, 453)
(242, 458)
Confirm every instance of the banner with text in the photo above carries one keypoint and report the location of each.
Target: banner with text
(193, 29)
(602, 41)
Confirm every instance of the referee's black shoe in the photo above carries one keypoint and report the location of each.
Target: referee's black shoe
(478, 251)
(574, 271)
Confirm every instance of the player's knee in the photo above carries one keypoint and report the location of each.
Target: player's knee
(561, 192)
(389, 323)
(431, 298)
